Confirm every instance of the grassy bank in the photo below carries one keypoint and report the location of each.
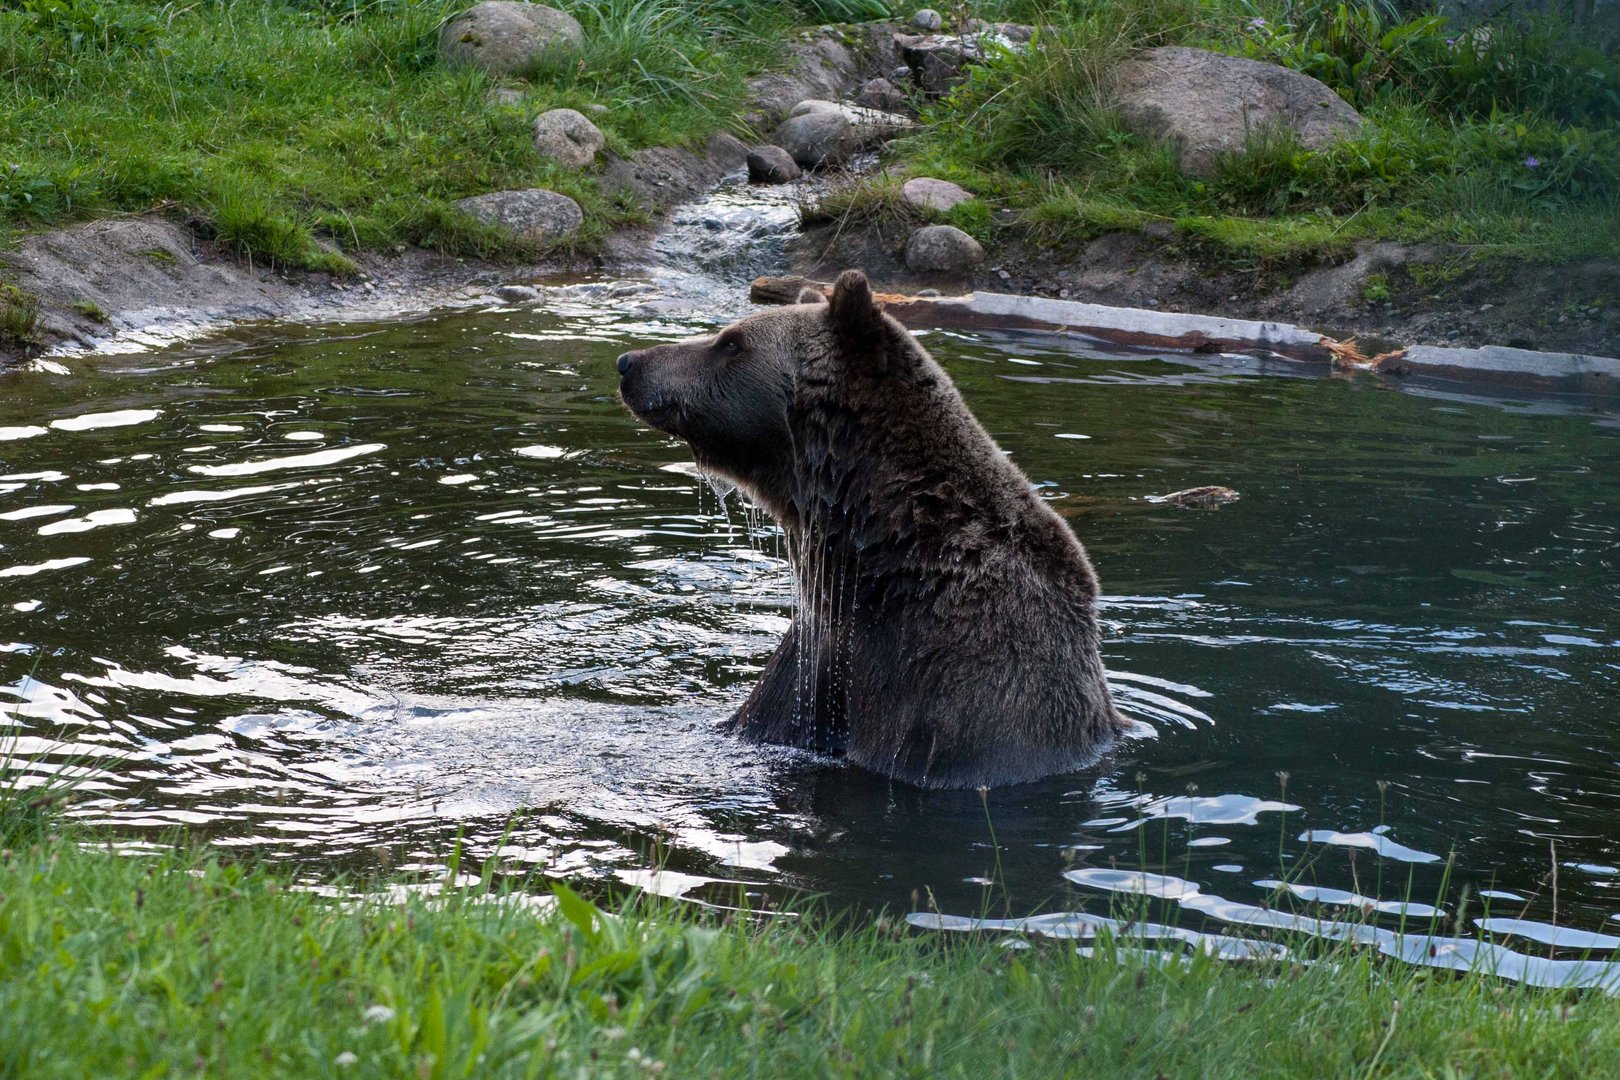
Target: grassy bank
(300, 131)
(297, 130)
(1504, 141)
(178, 964)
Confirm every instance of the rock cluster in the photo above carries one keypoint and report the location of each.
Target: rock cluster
(936, 62)
(823, 134)
(504, 37)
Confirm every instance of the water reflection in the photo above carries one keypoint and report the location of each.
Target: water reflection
(344, 597)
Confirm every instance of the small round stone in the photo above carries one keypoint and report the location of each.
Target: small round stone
(926, 193)
(568, 138)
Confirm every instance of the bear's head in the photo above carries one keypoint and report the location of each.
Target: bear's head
(734, 396)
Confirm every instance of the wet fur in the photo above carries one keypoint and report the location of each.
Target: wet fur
(946, 632)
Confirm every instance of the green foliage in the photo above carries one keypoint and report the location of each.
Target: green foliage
(182, 963)
(19, 321)
(670, 53)
(846, 10)
(1507, 137)
(1375, 289)
(299, 128)
(1370, 54)
(90, 310)
(79, 26)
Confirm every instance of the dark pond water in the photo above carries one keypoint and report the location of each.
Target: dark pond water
(345, 595)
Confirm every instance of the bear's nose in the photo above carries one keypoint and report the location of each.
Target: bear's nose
(624, 362)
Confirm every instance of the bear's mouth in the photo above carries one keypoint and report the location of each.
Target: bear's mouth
(657, 412)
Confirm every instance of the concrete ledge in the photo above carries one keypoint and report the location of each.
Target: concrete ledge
(1599, 374)
(1137, 327)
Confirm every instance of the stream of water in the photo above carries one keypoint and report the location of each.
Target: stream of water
(340, 595)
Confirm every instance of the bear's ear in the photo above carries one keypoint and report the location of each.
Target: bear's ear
(808, 295)
(856, 317)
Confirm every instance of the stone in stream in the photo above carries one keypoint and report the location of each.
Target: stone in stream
(821, 134)
(568, 138)
(942, 249)
(517, 294)
(926, 193)
(870, 124)
(817, 140)
(504, 37)
(1208, 104)
(532, 214)
(771, 165)
(927, 20)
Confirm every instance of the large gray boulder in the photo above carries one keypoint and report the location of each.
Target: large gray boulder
(503, 37)
(534, 214)
(1207, 104)
(942, 249)
(871, 125)
(568, 138)
(817, 140)
(820, 134)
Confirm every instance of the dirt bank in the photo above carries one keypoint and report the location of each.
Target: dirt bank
(1385, 293)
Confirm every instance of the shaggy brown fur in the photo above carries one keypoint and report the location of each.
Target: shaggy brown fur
(946, 632)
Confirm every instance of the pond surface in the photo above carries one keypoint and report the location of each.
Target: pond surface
(347, 594)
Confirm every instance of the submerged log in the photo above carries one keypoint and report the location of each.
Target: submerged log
(783, 290)
(1208, 497)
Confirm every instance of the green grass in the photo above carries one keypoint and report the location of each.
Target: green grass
(299, 131)
(1508, 146)
(179, 963)
(19, 318)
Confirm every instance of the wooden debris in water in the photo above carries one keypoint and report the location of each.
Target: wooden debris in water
(1391, 363)
(1207, 497)
(783, 290)
(1345, 353)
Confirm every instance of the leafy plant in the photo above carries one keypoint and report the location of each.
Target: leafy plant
(90, 310)
(91, 25)
(1375, 290)
(19, 318)
(1370, 54)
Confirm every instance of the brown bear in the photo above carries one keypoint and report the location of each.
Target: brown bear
(946, 630)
